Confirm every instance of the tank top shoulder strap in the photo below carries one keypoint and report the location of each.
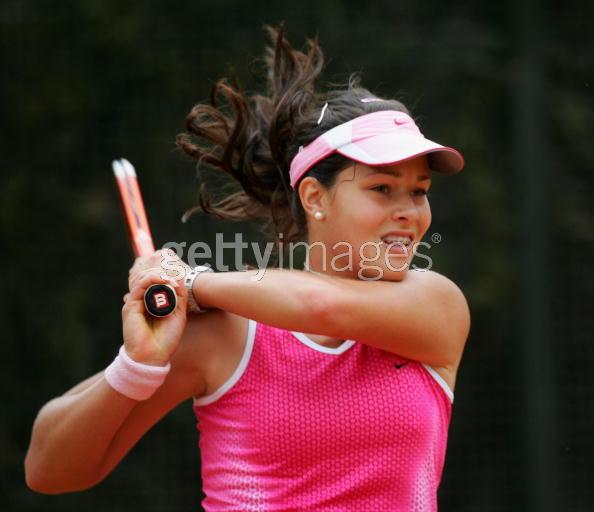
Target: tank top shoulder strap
(248, 349)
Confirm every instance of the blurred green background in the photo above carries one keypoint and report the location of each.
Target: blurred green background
(508, 83)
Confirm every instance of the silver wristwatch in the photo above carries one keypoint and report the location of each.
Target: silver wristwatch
(193, 306)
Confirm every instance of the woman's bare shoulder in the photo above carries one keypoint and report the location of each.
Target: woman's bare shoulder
(448, 294)
(431, 276)
(442, 287)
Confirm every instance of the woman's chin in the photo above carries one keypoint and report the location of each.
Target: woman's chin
(397, 273)
(392, 275)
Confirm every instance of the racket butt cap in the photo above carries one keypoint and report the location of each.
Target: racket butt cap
(160, 299)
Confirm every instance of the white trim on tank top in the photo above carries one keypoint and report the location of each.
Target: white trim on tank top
(440, 380)
(236, 375)
(344, 346)
(247, 352)
(349, 343)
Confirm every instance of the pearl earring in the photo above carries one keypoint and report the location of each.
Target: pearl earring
(318, 215)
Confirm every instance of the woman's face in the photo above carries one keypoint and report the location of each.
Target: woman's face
(370, 209)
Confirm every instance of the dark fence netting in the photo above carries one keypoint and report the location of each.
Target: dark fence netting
(510, 84)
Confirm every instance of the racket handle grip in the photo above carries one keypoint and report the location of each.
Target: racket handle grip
(160, 299)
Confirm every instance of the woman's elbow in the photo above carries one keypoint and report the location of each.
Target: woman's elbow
(36, 477)
(46, 480)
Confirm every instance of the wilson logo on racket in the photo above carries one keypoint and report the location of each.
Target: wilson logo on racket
(161, 300)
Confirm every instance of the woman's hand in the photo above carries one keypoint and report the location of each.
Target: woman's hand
(148, 339)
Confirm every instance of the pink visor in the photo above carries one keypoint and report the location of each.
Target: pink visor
(381, 138)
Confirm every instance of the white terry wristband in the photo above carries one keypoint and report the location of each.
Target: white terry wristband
(134, 380)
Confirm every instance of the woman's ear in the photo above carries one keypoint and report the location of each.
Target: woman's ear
(311, 193)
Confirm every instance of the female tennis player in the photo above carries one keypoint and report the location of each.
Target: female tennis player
(324, 389)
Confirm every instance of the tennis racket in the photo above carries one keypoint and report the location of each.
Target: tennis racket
(159, 299)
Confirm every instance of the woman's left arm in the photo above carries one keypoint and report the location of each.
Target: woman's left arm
(424, 317)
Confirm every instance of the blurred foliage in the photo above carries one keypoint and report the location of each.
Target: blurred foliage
(84, 82)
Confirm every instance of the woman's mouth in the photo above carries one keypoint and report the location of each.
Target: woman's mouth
(398, 245)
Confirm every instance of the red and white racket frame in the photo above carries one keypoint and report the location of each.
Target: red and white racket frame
(159, 299)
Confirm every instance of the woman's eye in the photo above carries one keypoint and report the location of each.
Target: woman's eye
(384, 189)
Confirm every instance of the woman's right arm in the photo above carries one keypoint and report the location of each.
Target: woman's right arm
(79, 437)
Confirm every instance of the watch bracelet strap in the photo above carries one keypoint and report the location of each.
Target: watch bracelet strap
(191, 276)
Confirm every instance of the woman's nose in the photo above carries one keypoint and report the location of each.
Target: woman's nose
(404, 208)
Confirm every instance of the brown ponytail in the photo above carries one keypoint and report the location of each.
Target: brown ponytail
(253, 139)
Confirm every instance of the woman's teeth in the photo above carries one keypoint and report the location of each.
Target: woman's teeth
(404, 240)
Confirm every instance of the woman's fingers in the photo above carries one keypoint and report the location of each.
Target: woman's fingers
(147, 278)
(146, 264)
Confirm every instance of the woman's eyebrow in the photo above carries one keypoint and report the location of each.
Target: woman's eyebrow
(396, 174)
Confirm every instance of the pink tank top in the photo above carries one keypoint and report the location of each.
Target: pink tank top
(299, 426)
